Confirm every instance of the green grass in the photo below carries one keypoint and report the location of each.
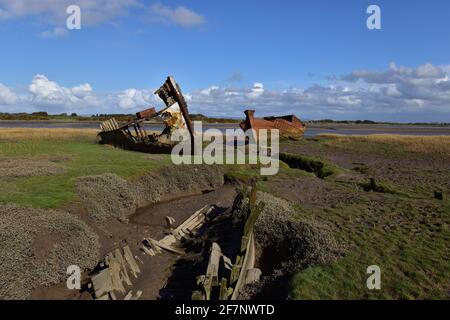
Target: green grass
(86, 158)
(396, 225)
(408, 242)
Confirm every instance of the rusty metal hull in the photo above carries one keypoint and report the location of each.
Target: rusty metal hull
(289, 126)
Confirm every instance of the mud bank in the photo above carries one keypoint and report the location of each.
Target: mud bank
(38, 245)
(286, 243)
(110, 196)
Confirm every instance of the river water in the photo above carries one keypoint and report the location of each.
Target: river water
(311, 130)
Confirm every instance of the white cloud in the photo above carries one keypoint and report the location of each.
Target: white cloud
(54, 11)
(407, 93)
(55, 33)
(209, 90)
(49, 95)
(256, 91)
(7, 97)
(180, 15)
(82, 90)
(133, 99)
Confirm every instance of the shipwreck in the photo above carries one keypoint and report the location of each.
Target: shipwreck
(289, 126)
(133, 135)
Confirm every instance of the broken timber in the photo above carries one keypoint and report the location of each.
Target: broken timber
(233, 276)
(133, 136)
(186, 229)
(115, 276)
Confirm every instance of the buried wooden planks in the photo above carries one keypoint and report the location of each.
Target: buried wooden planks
(114, 268)
(194, 221)
(102, 283)
(115, 276)
(212, 271)
(163, 244)
(252, 275)
(129, 258)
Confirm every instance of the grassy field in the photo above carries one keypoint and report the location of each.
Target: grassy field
(403, 227)
(406, 232)
(81, 157)
(435, 145)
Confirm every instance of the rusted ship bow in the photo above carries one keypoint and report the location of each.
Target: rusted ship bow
(289, 126)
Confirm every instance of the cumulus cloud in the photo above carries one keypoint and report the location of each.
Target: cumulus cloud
(44, 94)
(54, 33)
(52, 13)
(181, 16)
(7, 97)
(399, 92)
(133, 99)
(256, 91)
(93, 11)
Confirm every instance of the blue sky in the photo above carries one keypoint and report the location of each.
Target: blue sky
(316, 59)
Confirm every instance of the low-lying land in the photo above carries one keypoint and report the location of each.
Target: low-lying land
(345, 202)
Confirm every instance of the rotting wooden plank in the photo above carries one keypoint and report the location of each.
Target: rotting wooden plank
(253, 216)
(212, 270)
(247, 263)
(116, 124)
(194, 224)
(164, 246)
(129, 258)
(137, 295)
(192, 217)
(150, 251)
(123, 271)
(170, 222)
(211, 278)
(102, 283)
(236, 270)
(114, 271)
(129, 295)
(153, 246)
(168, 240)
(227, 262)
(252, 275)
(225, 292)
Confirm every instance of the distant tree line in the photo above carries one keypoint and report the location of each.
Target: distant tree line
(330, 121)
(44, 116)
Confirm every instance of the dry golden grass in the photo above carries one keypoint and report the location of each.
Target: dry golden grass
(421, 144)
(39, 134)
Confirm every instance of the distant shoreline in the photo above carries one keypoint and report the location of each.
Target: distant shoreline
(312, 129)
(310, 124)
